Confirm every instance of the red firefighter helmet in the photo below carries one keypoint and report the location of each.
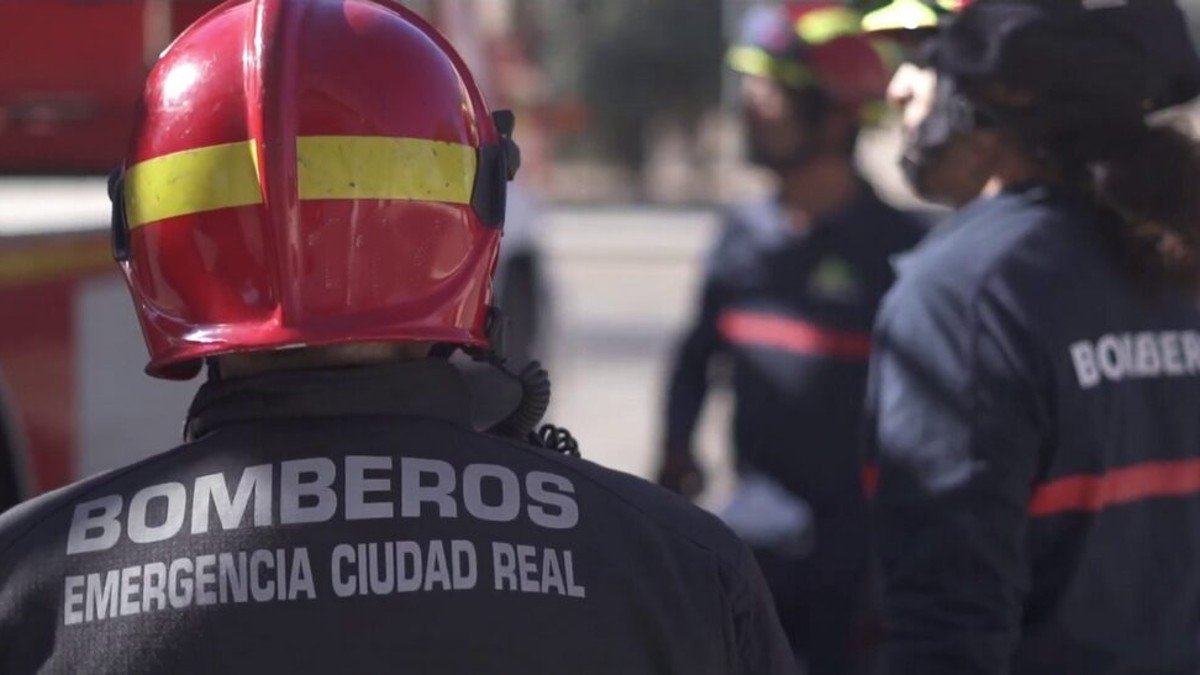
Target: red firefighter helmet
(310, 172)
(813, 43)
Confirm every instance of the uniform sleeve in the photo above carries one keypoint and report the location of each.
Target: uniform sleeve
(956, 432)
(688, 383)
(761, 644)
(19, 616)
(11, 467)
(10, 493)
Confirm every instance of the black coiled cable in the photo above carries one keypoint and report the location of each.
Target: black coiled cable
(555, 438)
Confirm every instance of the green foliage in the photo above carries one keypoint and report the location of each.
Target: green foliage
(646, 60)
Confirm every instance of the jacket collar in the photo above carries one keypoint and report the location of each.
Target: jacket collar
(427, 388)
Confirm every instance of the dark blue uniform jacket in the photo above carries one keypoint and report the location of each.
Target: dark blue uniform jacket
(1035, 417)
(795, 312)
(351, 521)
(12, 469)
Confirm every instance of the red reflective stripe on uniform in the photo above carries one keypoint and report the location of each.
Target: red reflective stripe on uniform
(793, 335)
(870, 480)
(1117, 486)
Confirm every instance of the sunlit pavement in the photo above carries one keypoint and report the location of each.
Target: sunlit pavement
(624, 281)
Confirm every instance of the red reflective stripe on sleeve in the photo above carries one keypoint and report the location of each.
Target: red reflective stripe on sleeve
(793, 335)
(1118, 486)
(870, 480)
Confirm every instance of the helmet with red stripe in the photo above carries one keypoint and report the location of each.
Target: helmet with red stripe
(817, 44)
(310, 172)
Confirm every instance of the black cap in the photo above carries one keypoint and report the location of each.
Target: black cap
(1161, 27)
(1111, 57)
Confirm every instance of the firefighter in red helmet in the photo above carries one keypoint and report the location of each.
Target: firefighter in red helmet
(789, 296)
(311, 207)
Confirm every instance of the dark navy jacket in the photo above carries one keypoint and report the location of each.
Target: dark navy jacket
(351, 521)
(12, 469)
(1035, 417)
(795, 313)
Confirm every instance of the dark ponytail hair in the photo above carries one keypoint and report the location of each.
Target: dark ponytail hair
(1148, 178)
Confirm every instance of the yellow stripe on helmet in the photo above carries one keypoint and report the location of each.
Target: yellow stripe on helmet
(755, 61)
(828, 24)
(378, 167)
(329, 167)
(900, 15)
(192, 181)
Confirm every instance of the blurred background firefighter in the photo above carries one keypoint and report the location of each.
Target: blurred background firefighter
(936, 164)
(789, 294)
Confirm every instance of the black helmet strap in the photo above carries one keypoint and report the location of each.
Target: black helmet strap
(498, 164)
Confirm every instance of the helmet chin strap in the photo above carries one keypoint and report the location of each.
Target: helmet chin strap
(506, 403)
(515, 404)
